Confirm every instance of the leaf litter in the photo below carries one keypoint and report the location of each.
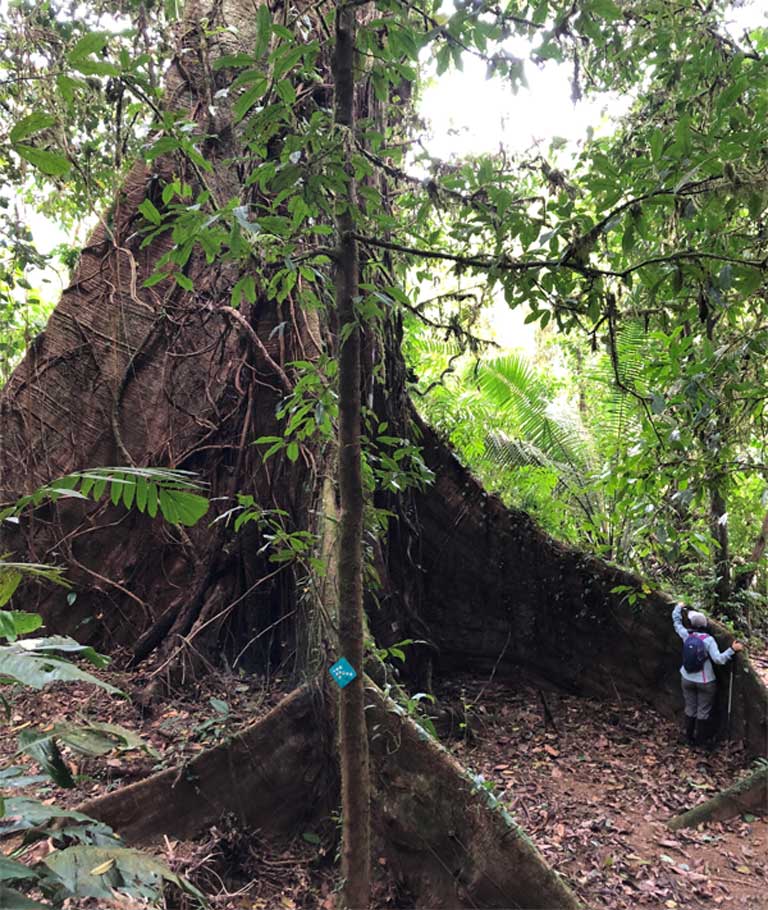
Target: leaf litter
(593, 783)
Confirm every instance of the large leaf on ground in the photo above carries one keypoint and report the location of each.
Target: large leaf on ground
(13, 871)
(45, 751)
(97, 871)
(22, 662)
(92, 739)
(18, 777)
(63, 645)
(13, 900)
(22, 814)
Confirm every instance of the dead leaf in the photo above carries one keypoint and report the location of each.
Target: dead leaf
(550, 750)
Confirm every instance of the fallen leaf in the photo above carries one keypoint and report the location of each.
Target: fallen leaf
(550, 750)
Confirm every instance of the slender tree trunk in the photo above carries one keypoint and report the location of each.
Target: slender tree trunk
(745, 579)
(718, 514)
(355, 783)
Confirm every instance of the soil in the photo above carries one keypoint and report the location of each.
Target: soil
(591, 782)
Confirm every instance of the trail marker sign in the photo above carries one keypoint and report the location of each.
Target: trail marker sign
(342, 672)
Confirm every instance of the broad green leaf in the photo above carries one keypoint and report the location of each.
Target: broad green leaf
(606, 9)
(12, 870)
(92, 43)
(23, 813)
(264, 30)
(150, 212)
(52, 163)
(30, 125)
(23, 623)
(13, 777)
(43, 749)
(126, 870)
(247, 100)
(14, 900)
(39, 669)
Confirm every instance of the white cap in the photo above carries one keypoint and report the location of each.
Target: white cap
(696, 619)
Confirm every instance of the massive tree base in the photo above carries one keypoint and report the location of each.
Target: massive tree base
(749, 795)
(444, 838)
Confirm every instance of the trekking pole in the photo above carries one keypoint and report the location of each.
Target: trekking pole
(730, 700)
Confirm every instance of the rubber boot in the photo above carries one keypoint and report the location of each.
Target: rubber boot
(690, 725)
(704, 736)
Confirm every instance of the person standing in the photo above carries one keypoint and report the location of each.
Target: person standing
(697, 674)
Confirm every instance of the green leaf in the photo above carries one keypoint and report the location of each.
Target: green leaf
(183, 281)
(247, 100)
(606, 9)
(15, 777)
(14, 623)
(96, 68)
(263, 30)
(13, 900)
(31, 662)
(92, 43)
(129, 871)
(13, 871)
(67, 87)
(43, 749)
(10, 579)
(30, 125)
(23, 813)
(150, 212)
(52, 163)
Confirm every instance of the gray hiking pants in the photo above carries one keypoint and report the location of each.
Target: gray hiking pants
(699, 698)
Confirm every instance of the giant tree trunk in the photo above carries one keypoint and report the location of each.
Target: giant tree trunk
(161, 376)
(437, 829)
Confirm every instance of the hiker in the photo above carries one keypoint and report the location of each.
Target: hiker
(698, 675)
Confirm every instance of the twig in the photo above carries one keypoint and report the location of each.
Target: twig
(258, 344)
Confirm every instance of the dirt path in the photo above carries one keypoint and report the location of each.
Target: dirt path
(593, 784)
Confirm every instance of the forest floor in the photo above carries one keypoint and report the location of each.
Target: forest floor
(592, 783)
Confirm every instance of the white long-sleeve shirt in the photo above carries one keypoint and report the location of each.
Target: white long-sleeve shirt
(707, 672)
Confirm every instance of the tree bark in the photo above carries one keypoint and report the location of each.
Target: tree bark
(440, 832)
(355, 783)
(744, 579)
(718, 515)
(749, 795)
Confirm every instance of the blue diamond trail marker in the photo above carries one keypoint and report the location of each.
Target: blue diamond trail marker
(342, 672)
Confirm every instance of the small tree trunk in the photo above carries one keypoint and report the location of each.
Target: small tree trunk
(719, 530)
(355, 783)
(747, 795)
(744, 580)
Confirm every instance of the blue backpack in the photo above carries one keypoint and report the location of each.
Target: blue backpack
(695, 652)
